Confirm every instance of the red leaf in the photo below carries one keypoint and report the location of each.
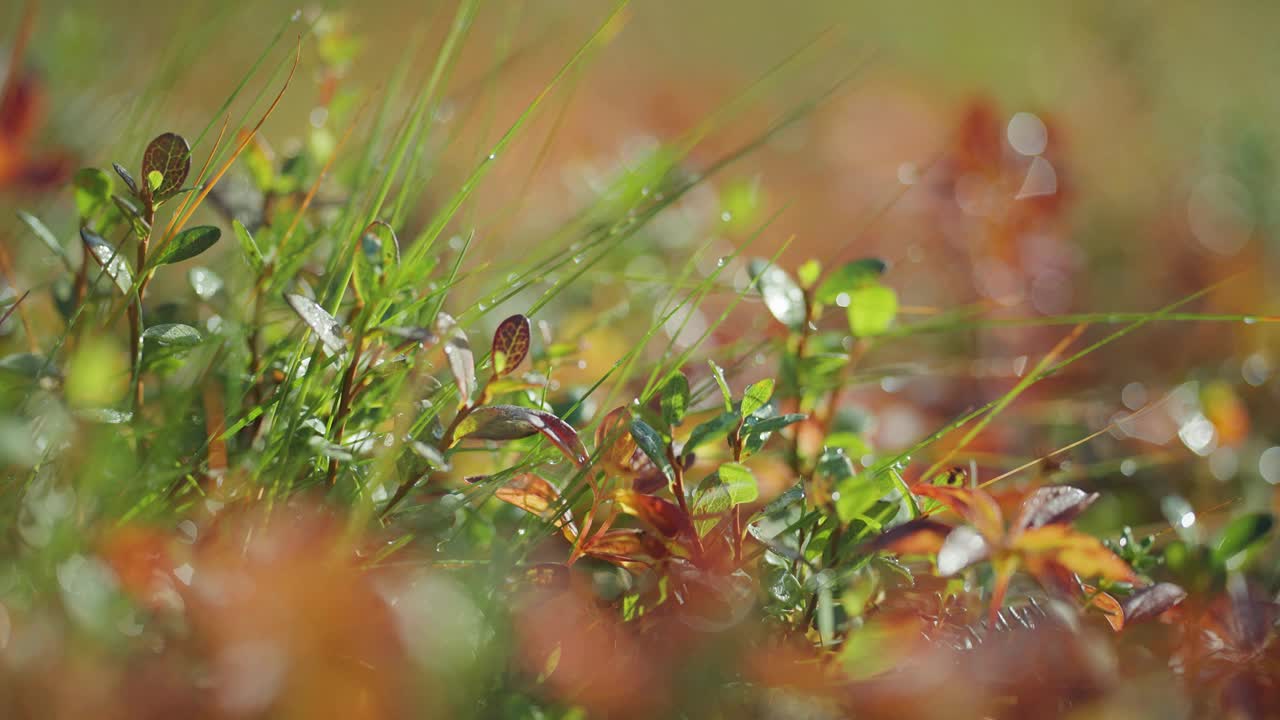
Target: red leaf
(170, 156)
(512, 422)
(661, 514)
(1151, 601)
(1059, 504)
(510, 344)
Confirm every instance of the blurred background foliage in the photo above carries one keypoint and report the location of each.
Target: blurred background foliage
(1154, 121)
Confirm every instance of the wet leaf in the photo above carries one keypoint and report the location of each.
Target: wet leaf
(661, 515)
(112, 263)
(186, 245)
(172, 335)
(761, 426)
(1058, 504)
(130, 213)
(249, 248)
(963, 547)
(651, 444)
(717, 373)
(126, 177)
(379, 253)
(849, 277)
(1240, 535)
(165, 165)
(713, 429)
(434, 457)
(92, 191)
(510, 344)
(512, 422)
(675, 399)
(1150, 601)
(327, 329)
(757, 396)
(783, 298)
(46, 236)
(871, 310)
(457, 350)
(535, 496)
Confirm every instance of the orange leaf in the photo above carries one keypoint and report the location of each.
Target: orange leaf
(536, 496)
(973, 504)
(614, 442)
(1082, 554)
(1109, 606)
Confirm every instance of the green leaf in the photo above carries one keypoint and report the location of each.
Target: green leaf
(172, 335)
(136, 222)
(165, 165)
(252, 254)
(92, 190)
(808, 273)
(187, 244)
(871, 310)
(711, 500)
(379, 254)
(740, 481)
(46, 236)
(675, 399)
(1240, 535)
(28, 365)
(783, 298)
(716, 427)
(849, 277)
(757, 396)
(651, 444)
(112, 262)
(717, 372)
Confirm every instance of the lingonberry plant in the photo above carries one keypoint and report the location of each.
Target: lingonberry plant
(275, 477)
